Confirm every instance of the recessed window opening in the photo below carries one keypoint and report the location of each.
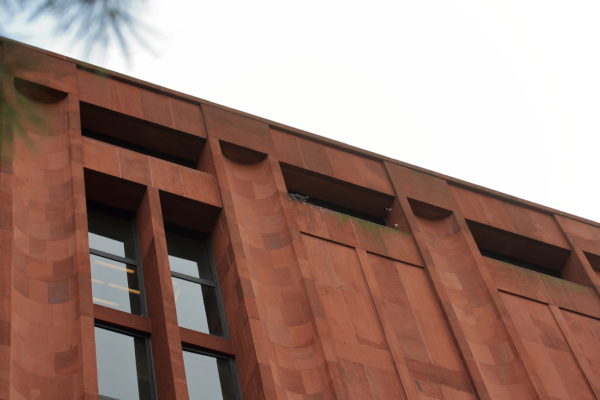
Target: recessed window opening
(187, 213)
(114, 258)
(137, 148)
(194, 285)
(209, 377)
(330, 206)
(124, 365)
(594, 260)
(193, 274)
(140, 136)
(519, 250)
(115, 268)
(336, 195)
(519, 263)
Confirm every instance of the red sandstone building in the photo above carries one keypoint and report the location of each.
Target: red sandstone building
(158, 246)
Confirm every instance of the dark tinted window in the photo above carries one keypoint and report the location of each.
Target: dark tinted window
(209, 378)
(197, 306)
(113, 260)
(196, 291)
(111, 232)
(188, 254)
(123, 363)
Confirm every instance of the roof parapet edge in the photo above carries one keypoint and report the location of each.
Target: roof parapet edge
(301, 133)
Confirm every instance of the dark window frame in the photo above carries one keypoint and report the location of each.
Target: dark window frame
(230, 363)
(201, 281)
(136, 263)
(148, 344)
(193, 279)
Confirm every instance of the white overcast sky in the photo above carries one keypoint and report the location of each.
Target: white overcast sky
(504, 94)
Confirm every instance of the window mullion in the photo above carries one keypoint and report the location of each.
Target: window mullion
(113, 257)
(194, 279)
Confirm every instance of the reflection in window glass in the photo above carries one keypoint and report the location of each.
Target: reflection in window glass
(188, 255)
(123, 367)
(196, 294)
(184, 266)
(208, 378)
(105, 244)
(115, 270)
(197, 307)
(111, 233)
(115, 284)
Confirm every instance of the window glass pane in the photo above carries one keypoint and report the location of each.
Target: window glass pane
(208, 378)
(188, 255)
(123, 370)
(184, 266)
(115, 285)
(111, 233)
(197, 307)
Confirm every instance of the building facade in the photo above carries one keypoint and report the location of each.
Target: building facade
(158, 246)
